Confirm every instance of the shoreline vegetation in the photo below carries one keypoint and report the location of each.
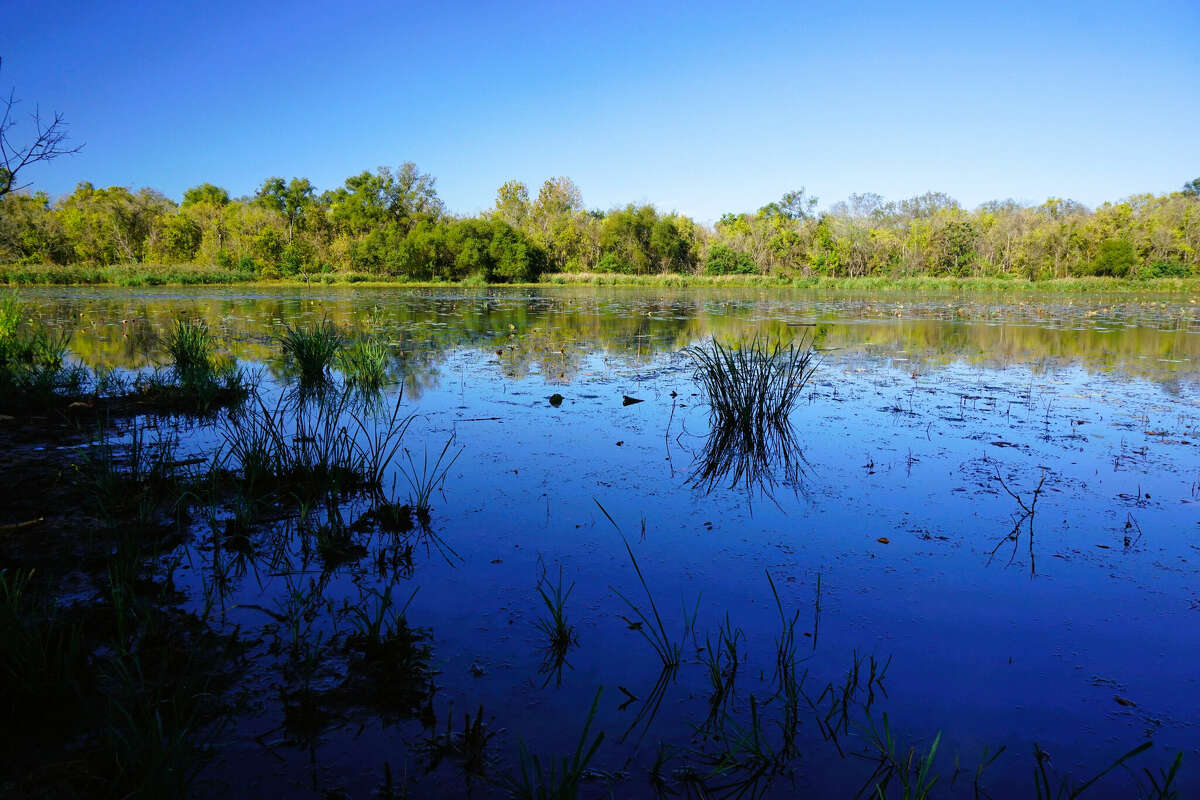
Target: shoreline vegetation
(147, 275)
(390, 226)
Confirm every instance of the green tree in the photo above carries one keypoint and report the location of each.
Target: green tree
(205, 193)
(512, 203)
(1114, 258)
(292, 199)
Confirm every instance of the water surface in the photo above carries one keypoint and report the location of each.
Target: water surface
(923, 437)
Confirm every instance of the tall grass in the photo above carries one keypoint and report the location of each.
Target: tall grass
(428, 479)
(311, 448)
(364, 364)
(311, 349)
(190, 346)
(44, 665)
(753, 386)
(560, 634)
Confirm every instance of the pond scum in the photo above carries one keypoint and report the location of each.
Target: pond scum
(113, 689)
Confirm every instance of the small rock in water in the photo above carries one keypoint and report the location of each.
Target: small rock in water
(556, 399)
(626, 400)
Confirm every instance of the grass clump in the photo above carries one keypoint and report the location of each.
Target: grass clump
(751, 387)
(198, 377)
(311, 350)
(190, 346)
(560, 635)
(364, 364)
(561, 781)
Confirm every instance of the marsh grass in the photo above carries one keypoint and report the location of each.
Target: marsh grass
(198, 379)
(650, 626)
(912, 770)
(751, 391)
(190, 346)
(307, 448)
(364, 364)
(312, 349)
(754, 386)
(154, 745)
(32, 358)
(721, 657)
(559, 778)
(559, 634)
(392, 666)
(469, 747)
(429, 478)
(45, 667)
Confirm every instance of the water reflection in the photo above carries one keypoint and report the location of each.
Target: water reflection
(756, 459)
(550, 331)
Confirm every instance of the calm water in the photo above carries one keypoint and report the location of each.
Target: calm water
(1080, 632)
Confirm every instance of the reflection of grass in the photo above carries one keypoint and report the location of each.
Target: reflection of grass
(751, 392)
(559, 633)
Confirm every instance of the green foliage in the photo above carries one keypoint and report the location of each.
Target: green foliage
(205, 193)
(1114, 258)
(390, 223)
(1167, 268)
(190, 346)
(724, 260)
(31, 357)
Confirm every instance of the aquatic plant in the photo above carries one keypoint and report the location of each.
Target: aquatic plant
(152, 745)
(721, 662)
(392, 667)
(651, 626)
(31, 358)
(311, 349)
(754, 385)
(562, 778)
(428, 479)
(751, 391)
(560, 635)
(190, 346)
(364, 364)
(306, 448)
(916, 779)
(44, 665)
(468, 747)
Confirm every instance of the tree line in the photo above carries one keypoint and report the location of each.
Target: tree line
(391, 223)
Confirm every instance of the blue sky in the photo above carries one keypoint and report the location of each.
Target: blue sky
(700, 108)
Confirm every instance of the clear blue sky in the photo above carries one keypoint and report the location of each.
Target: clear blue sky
(701, 108)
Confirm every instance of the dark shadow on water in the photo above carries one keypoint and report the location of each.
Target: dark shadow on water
(757, 459)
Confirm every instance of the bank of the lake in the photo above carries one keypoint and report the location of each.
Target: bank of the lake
(138, 275)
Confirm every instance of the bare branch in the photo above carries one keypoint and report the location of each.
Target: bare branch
(50, 142)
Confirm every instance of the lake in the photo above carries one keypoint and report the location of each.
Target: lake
(984, 524)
